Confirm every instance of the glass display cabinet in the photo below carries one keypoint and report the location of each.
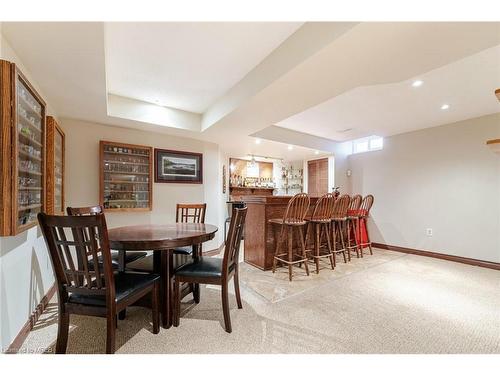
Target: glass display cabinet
(55, 168)
(23, 139)
(126, 177)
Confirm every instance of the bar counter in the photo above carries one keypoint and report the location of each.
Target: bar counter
(259, 234)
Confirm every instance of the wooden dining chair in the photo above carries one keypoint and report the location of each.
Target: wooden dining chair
(89, 286)
(319, 225)
(293, 221)
(119, 260)
(364, 213)
(215, 271)
(339, 219)
(352, 225)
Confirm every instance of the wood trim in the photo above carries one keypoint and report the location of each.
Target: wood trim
(28, 326)
(52, 129)
(452, 258)
(101, 176)
(493, 141)
(5, 148)
(497, 93)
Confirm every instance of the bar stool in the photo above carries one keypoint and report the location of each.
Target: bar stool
(293, 221)
(339, 219)
(352, 224)
(319, 223)
(364, 212)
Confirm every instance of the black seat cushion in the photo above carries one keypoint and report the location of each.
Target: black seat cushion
(126, 284)
(203, 267)
(185, 250)
(130, 256)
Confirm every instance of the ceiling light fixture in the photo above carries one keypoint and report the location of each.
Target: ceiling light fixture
(445, 106)
(290, 147)
(257, 141)
(417, 83)
(316, 152)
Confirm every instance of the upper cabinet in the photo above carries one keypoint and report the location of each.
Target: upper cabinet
(22, 169)
(55, 168)
(126, 177)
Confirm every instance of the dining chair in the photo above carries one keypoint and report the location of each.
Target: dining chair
(352, 225)
(339, 219)
(293, 221)
(88, 286)
(319, 224)
(119, 260)
(364, 213)
(215, 271)
(184, 213)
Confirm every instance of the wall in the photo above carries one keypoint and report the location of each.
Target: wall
(82, 174)
(444, 178)
(25, 269)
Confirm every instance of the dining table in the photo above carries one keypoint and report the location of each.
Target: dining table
(162, 239)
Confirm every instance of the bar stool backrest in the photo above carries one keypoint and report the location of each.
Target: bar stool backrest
(323, 210)
(355, 202)
(297, 208)
(366, 205)
(341, 206)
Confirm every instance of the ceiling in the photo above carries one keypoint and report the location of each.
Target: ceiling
(186, 65)
(466, 85)
(229, 83)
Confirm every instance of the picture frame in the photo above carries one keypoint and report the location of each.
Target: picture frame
(172, 166)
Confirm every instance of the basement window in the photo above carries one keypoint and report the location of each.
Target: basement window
(372, 143)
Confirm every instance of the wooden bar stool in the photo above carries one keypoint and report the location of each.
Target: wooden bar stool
(319, 223)
(352, 224)
(293, 221)
(339, 219)
(364, 213)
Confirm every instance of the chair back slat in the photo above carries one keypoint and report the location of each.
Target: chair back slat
(366, 205)
(323, 210)
(190, 213)
(297, 208)
(341, 206)
(355, 202)
(88, 242)
(233, 241)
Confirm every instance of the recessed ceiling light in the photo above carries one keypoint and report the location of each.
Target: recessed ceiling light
(257, 141)
(417, 83)
(316, 152)
(290, 147)
(445, 106)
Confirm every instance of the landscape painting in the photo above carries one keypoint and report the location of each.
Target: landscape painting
(178, 166)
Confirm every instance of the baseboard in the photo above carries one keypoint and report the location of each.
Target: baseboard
(214, 252)
(453, 258)
(28, 326)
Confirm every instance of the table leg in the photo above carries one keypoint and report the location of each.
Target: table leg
(196, 287)
(166, 273)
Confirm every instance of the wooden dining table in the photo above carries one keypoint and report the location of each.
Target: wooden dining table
(162, 240)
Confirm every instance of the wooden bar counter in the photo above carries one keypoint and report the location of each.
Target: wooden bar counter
(259, 234)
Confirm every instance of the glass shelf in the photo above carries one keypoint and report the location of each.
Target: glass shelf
(126, 180)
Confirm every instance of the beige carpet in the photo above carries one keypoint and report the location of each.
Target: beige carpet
(385, 303)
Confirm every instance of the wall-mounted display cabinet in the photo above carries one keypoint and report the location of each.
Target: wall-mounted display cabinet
(126, 177)
(54, 168)
(22, 169)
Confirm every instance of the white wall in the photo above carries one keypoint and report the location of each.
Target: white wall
(25, 269)
(444, 178)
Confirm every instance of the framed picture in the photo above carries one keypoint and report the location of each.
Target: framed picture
(178, 166)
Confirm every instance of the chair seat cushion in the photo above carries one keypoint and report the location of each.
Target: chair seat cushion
(186, 250)
(203, 267)
(126, 284)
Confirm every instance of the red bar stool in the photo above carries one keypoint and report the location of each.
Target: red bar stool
(352, 224)
(293, 221)
(339, 219)
(364, 213)
(319, 223)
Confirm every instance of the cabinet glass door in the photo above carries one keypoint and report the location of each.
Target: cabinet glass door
(58, 172)
(30, 143)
